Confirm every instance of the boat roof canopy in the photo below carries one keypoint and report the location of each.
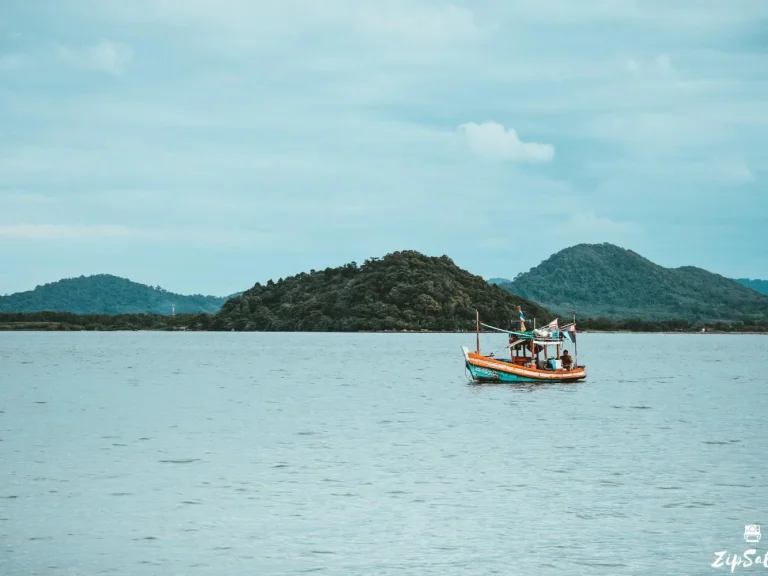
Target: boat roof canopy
(518, 338)
(540, 336)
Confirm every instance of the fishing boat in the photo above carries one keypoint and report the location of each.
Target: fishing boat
(534, 355)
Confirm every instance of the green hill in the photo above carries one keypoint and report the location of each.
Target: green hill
(603, 280)
(756, 285)
(498, 281)
(401, 291)
(106, 294)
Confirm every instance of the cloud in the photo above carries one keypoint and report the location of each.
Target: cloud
(588, 220)
(12, 61)
(269, 121)
(231, 27)
(661, 64)
(490, 140)
(63, 232)
(104, 232)
(587, 226)
(735, 171)
(441, 23)
(106, 56)
(696, 17)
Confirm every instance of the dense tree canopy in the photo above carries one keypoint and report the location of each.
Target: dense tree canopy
(203, 322)
(757, 285)
(602, 280)
(610, 288)
(401, 291)
(106, 294)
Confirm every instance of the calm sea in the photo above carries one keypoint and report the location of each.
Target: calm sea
(276, 454)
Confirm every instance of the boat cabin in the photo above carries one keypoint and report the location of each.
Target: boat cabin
(534, 350)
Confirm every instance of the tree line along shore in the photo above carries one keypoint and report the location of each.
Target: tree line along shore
(64, 321)
(612, 289)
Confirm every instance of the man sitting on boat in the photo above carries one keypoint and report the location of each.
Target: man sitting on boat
(566, 360)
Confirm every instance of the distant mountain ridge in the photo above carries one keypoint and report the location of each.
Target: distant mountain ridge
(756, 285)
(603, 280)
(597, 280)
(107, 294)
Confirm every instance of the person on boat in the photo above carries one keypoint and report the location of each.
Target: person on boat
(566, 360)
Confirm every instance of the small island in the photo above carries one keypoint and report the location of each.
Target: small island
(607, 281)
(107, 294)
(403, 291)
(612, 289)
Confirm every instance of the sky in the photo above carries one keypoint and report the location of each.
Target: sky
(206, 145)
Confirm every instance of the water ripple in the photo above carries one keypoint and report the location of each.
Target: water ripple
(294, 453)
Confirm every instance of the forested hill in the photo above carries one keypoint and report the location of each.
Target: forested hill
(603, 280)
(401, 291)
(106, 294)
(757, 285)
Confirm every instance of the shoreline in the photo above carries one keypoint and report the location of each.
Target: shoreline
(7, 327)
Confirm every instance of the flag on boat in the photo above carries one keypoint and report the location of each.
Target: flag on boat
(555, 333)
(571, 333)
(521, 316)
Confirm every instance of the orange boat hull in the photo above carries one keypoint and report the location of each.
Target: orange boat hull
(489, 369)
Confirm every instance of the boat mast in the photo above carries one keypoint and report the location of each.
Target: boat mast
(477, 317)
(533, 346)
(575, 346)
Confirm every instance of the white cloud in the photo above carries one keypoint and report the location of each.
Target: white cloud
(344, 111)
(586, 226)
(103, 232)
(661, 64)
(106, 56)
(689, 175)
(63, 232)
(669, 134)
(491, 140)
(412, 21)
(694, 16)
(11, 61)
(234, 25)
(735, 171)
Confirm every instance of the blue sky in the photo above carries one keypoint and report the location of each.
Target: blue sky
(205, 145)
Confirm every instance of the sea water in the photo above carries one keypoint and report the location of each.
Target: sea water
(371, 454)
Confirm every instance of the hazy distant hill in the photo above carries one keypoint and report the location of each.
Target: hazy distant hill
(757, 285)
(498, 281)
(106, 294)
(609, 281)
(401, 291)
